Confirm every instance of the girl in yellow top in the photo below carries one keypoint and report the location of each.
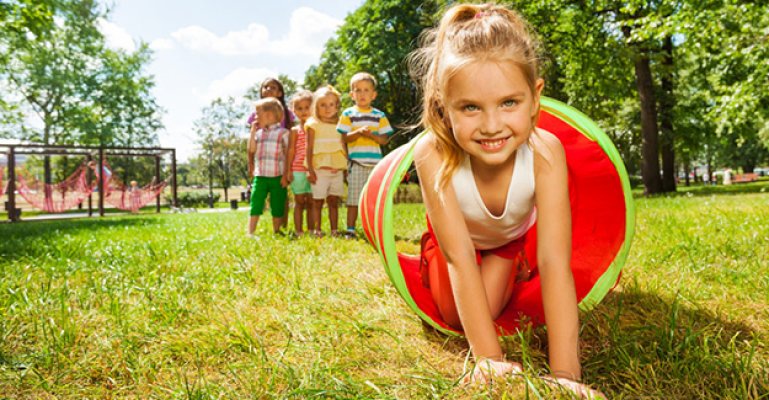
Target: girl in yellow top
(326, 157)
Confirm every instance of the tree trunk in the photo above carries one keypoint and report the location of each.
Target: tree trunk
(650, 164)
(667, 103)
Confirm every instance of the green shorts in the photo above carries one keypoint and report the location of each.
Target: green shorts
(262, 187)
(300, 184)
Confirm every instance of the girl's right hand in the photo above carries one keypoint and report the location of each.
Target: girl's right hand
(486, 370)
(311, 176)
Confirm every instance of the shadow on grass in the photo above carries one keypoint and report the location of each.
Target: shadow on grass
(25, 239)
(639, 343)
(636, 344)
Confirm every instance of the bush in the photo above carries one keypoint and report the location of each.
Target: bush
(193, 199)
(635, 181)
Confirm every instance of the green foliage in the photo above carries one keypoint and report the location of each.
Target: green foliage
(710, 93)
(192, 199)
(376, 38)
(63, 75)
(220, 130)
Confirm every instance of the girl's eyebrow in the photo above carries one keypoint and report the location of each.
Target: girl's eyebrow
(513, 95)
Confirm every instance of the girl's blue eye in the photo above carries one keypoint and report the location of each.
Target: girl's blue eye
(508, 103)
(470, 107)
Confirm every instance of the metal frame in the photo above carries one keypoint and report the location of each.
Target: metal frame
(11, 150)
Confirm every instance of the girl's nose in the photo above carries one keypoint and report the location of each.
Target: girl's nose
(491, 124)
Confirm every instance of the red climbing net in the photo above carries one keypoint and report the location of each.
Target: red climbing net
(65, 195)
(54, 197)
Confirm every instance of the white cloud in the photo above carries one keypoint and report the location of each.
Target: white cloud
(115, 36)
(235, 83)
(162, 44)
(309, 30)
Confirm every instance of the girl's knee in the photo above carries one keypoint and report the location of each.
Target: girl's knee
(332, 201)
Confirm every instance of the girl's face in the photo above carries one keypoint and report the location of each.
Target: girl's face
(491, 110)
(270, 89)
(328, 106)
(303, 109)
(266, 117)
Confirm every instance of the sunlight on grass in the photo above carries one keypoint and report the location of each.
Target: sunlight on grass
(185, 305)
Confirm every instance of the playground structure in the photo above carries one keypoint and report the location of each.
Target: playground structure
(92, 176)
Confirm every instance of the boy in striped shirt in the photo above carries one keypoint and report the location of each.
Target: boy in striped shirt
(365, 129)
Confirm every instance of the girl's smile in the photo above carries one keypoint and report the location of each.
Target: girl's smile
(491, 110)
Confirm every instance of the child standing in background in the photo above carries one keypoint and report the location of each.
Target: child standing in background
(487, 175)
(267, 163)
(301, 105)
(364, 129)
(272, 87)
(326, 157)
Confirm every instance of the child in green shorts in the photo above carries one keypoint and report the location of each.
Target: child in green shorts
(267, 163)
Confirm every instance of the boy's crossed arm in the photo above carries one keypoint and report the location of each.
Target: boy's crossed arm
(366, 132)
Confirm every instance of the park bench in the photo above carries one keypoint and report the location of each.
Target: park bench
(744, 178)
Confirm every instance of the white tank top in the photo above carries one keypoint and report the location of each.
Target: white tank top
(486, 230)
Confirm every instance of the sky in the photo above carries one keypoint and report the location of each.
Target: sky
(204, 49)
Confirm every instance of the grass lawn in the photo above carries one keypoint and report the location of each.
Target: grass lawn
(186, 306)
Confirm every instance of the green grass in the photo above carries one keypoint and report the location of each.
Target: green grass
(186, 306)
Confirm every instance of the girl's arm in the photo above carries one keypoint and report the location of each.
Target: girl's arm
(308, 158)
(285, 180)
(454, 241)
(554, 254)
(251, 150)
(291, 152)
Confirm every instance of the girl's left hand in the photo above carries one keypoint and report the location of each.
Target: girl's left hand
(580, 389)
(486, 370)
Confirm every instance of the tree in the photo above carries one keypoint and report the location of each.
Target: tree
(376, 38)
(218, 129)
(62, 73)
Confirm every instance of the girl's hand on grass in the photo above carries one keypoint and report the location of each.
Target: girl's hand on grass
(486, 370)
(580, 389)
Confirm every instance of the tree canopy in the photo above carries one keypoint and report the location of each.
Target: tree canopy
(62, 85)
(675, 83)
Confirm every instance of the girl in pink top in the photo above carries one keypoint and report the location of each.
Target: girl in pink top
(301, 105)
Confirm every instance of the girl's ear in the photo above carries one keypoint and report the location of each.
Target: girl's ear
(538, 86)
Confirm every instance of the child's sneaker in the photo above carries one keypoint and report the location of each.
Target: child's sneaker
(350, 235)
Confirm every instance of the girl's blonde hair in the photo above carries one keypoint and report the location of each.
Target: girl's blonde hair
(467, 33)
(322, 92)
(301, 95)
(272, 105)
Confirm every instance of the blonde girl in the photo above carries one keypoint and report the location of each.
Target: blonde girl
(326, 157)
(301, 105)
(487, 175)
